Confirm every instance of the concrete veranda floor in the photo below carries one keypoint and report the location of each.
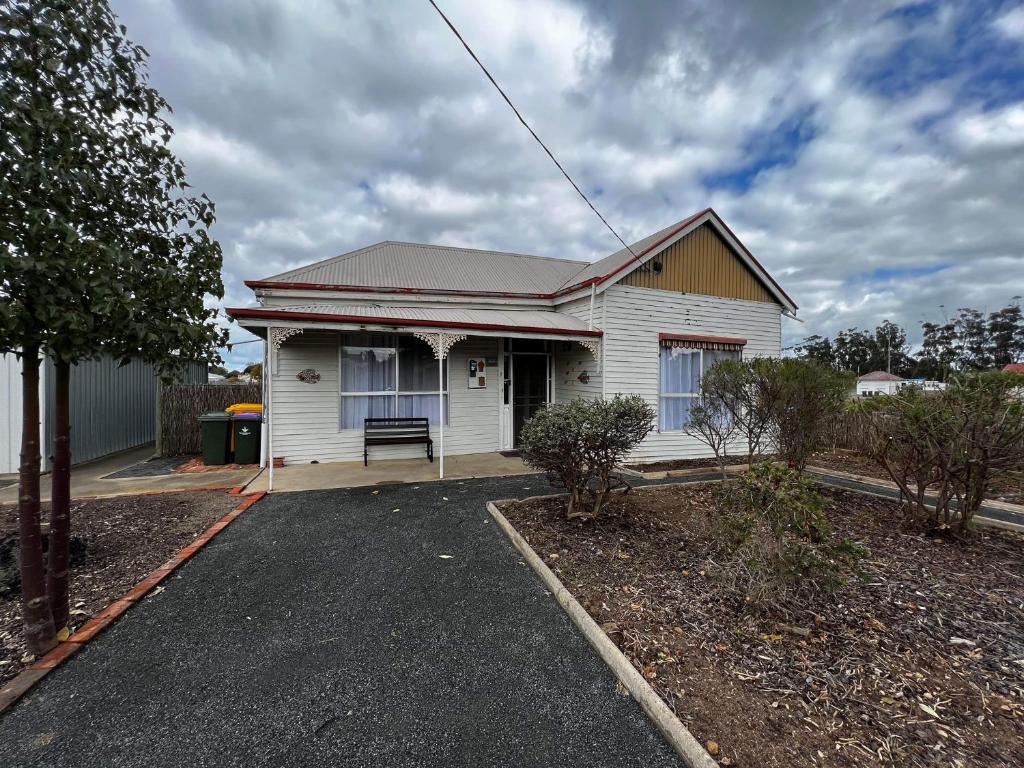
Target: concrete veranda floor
(352, 474)
(88, 480)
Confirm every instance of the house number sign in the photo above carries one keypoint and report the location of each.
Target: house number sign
(308, 376)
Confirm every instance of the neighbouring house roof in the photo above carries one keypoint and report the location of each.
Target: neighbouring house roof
(534, 322)
(1014, 368)
(879, 376)
(415, 268)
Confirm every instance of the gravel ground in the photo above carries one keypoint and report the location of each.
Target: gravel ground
(390, 626)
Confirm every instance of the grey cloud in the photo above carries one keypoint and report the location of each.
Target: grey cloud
(319, 127)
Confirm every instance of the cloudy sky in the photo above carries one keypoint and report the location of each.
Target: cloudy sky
(871, 156)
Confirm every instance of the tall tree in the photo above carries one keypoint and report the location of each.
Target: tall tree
(973, 340)
(1006, 334)
(106, 251)
(891, 350)
(818, 348)
(939, 350)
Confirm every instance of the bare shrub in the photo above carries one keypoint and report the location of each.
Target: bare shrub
(712, 423)
(944, 449)
(748, 390)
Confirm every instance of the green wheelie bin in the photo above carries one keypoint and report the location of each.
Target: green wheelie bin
(216, 429)
(247, 427)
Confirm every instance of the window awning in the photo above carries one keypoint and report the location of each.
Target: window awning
(484, 322)
(695, 341)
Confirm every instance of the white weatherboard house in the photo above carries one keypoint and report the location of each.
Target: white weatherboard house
(360, 336)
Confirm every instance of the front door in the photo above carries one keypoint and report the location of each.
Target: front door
(529, 389)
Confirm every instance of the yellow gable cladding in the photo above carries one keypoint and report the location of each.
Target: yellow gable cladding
(701, 263)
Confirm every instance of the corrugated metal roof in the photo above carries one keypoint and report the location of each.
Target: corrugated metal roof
(441, 317)
(397, 266)
(436, 268)
(621, 257)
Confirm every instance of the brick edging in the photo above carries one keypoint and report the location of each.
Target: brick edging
(23, 682)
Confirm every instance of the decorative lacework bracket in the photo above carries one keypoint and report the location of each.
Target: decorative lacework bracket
(278, 336)
(594, 347)
(441, 343)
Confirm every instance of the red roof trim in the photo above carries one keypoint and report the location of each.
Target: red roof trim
(702, 339)
(272, 314)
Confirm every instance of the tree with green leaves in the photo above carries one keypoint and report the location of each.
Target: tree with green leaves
(1006, 334)
(104, 252)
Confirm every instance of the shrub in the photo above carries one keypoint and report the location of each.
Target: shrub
(943, 449)
(782, 405)
(810, 395)
(579, 443)
(772, 529)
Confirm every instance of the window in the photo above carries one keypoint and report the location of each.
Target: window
(681, 369)
(384, 376)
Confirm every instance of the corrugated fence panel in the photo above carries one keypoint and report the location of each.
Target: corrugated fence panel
(113, 407)
(10, 413)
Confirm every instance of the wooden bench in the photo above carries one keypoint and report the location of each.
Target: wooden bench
(395, 431)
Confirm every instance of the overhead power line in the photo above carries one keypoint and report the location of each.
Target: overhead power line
(527, 126)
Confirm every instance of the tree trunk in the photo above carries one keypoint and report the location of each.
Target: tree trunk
(59, 554)
(39, 634)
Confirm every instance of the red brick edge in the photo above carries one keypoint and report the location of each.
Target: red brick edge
(21, 684)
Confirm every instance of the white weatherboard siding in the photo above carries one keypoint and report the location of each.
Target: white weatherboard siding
(633, 318)
(306, 417)
(572, 358)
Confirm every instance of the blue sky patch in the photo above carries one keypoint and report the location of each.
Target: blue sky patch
(888, 274)
(967, 50)
(778, 145)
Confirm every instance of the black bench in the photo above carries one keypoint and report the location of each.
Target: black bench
(396, 430)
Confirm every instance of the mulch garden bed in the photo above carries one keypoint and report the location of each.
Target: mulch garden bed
(116, 543)
(1008, 488)
(919, 663)
(668, 466)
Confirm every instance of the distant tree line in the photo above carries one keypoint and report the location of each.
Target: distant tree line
(969, 341)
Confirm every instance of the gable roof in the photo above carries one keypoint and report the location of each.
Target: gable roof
(416, 268)
(879, 376)
(1013, 368)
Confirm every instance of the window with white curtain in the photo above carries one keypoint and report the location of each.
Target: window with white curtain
(383, 375)
(681, 370)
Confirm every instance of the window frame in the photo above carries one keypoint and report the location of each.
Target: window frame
(689, 395)
(396, 392)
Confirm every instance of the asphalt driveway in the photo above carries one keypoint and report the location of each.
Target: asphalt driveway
(393, 626)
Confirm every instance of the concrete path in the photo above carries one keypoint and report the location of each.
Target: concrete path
(91, 479)
(389, 626)
(998, 513)
(352, 474)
